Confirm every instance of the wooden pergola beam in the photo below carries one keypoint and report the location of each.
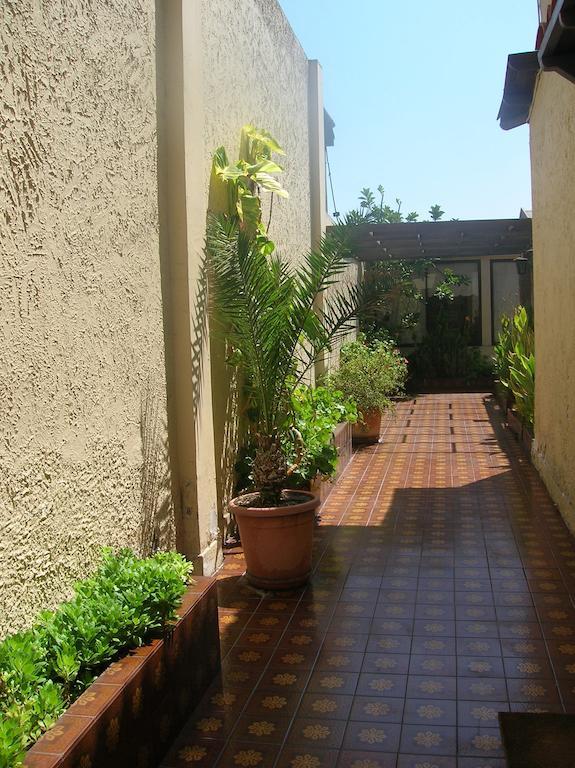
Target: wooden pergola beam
(441, 239)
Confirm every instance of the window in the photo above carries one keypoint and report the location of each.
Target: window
(505, 293)
(463, 313)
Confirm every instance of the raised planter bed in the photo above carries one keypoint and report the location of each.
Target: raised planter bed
(130, 714)
(527, 441)
(521, 432)
(343, 441)
(503, 399)
(514, 423)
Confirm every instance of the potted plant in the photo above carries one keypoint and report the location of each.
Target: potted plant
(277, 319)
(370, 374)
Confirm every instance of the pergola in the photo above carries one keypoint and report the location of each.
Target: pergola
(441, 239)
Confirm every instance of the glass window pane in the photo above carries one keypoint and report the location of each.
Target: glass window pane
(505, 294)
(463, 313)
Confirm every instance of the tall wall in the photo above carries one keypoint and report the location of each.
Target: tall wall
(82, 423)
(553, 170)
(116, 398)
(255, 71)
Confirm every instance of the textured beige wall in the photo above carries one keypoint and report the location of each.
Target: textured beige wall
(82, 375)
(543, 7)
(255, 71)
(553, 172)
(83, 452)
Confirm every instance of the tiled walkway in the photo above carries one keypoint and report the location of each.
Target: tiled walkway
(442, 594)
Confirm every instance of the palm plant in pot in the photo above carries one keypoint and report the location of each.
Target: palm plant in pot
(275, 329)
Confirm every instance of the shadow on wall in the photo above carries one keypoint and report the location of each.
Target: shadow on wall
(226, 398)
(157, 525)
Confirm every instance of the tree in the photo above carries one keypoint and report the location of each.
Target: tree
(435, 212)
(372, 211)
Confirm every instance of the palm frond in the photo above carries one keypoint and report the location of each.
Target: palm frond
(278, 318)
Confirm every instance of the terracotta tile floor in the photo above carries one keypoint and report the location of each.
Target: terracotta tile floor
(442, 594)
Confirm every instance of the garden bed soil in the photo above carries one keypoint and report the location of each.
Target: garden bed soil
(253, 500)
(136, 707)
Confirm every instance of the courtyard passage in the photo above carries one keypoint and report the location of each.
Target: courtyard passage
(442, 595)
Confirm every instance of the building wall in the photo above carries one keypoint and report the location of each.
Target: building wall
(116, 397)
(544, 8)
(82, 423)
(553, 170)
(257, 72)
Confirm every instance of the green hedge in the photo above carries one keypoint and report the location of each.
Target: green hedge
(43, 670)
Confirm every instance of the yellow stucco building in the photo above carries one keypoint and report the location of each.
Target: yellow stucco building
(540, 89)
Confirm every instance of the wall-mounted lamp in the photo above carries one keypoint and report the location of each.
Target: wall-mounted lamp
(522, 262)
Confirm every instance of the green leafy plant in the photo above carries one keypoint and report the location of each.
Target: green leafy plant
(43, 670)
(317, 411)
(514, 361)
(522, 373)
(235, 187)
(436, 213)
(370, 374)
(278, 318)
(515, 331)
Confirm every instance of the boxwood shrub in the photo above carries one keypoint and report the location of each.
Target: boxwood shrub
(44, 669)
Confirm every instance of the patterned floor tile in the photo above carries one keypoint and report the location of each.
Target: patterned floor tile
(369, 736)
(443, 593)
(429, 739)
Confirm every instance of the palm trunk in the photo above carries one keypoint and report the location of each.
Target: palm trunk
(270, 470)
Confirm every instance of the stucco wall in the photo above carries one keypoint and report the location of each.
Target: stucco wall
(553, 172)
(255, 71)
(82, 424)
(88, 270)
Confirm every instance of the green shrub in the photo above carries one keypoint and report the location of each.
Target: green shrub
(514, 361)
(316, 413)
(370, 374)
(522, 374)
(43, 670)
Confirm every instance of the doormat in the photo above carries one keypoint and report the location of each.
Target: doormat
(538, 740)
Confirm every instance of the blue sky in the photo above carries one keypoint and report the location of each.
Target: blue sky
(414, 89)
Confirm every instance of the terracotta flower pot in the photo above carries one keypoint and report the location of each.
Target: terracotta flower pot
(369, 430)
(277, 541)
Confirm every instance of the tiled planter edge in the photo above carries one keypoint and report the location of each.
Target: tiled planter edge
(521, 432)
(133, 710)
(513, 423)
(343, 442)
